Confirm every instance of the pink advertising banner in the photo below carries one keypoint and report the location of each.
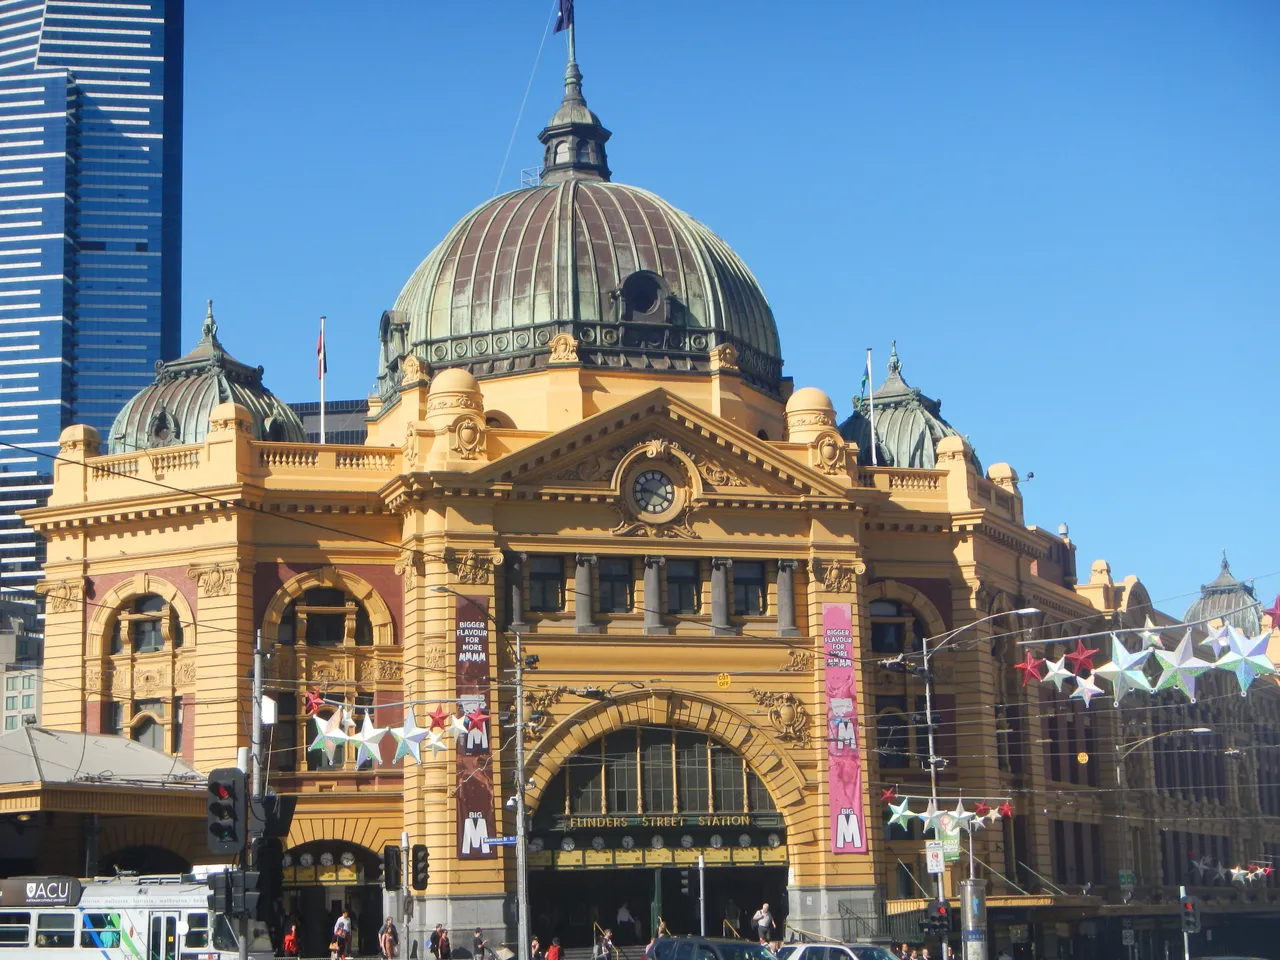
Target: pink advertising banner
(844, 759)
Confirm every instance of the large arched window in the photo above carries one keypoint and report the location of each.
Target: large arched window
(895, 627)
(149, 732)
(145, 625)
(326, 617)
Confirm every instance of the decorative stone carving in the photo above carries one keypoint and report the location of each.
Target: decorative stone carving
(596, 467)
(724, 358)
(467, 437)
(149, 680)
(379, 668)
(787, 714)
(538, 717)
(827, 452)
(325, 672)
(839, 576)
(185, 673)
(435, 658)
(410, 370)
(92, 679)
(717, 475)
(409, 566)
(810, 420)
(410, 445)
(801, 662)
(214, 580)
(677, 529)
(564, 349)
(62, 595)
(454, 401)
(472, 566)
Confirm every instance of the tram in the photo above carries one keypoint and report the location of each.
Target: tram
(118, 918)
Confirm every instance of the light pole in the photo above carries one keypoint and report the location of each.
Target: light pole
(1122, 752)
(522, 865)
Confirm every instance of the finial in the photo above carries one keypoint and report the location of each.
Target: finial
(210, 329)
(574, 139)
(1225, 566)
(895, 365)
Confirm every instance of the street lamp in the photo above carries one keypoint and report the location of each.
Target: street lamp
(1122, 751)
(522, 867)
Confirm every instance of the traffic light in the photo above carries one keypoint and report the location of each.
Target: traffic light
(267, 858)
(937, 918)
(391, 867)
(226, 810)
(244, 893)
(421, 866)
(1189, 908)
(220, 892)
(684, 883)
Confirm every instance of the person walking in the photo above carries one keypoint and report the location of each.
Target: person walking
(553, 951)
(342, 934)
(446, 948)
(626, 924)
(291, 939)
(388, 939)
(605, 949)
(433, 941)
(763, 921)
(479, 945)
(535, 949)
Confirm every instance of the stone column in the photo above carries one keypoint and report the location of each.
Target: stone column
(653, 625)
(582, 594)
(721, 595)
(513, 566)
(787, 599)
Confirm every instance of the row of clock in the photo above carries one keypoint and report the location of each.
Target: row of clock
(536, 845)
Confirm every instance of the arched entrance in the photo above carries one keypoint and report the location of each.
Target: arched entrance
(145, 860)
(320, 880)
(624, 821)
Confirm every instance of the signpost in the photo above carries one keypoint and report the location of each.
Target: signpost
(1126, 883)
(934, 856)
(502, 841)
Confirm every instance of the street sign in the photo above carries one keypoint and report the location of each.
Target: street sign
(1126, 883)
(501, 841)
(1127, 938)
(933, 855)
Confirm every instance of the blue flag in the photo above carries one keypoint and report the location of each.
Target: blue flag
(564, 16)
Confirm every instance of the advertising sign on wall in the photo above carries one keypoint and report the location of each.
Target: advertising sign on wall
(475, 757)
(844, 757)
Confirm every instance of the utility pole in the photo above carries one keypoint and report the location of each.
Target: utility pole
(522, 853)
(255, 772)
(933, 753)
(702, 895)
(1186, 937)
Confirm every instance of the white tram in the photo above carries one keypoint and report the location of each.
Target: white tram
(118, 918)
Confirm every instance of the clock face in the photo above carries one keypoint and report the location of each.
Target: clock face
(653, 491)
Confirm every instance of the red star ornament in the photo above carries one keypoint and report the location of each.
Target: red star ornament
(314, 701)
(1006, 809)
(438, 717)
(1268, 870)
(982, 809)
(477, 717)
(1274, 613)
(1082, 658)
(1030, 668)
(888, 795)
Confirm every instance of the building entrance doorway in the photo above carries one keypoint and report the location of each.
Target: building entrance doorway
(324, 878)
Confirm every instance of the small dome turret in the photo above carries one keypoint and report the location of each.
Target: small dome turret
(175, 408)
(1229, 600)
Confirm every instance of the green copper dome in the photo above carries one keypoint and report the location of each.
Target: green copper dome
(1229, 600)
(908, 424)
(638, 283)
(175, 408)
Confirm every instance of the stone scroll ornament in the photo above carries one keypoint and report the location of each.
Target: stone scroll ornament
(442, 730)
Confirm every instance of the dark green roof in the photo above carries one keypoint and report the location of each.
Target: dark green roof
(1229, 600)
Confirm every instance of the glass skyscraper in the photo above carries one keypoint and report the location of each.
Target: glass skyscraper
(90, 230)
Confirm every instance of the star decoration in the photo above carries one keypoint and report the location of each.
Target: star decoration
(439, 718)
(1274, 613)
(329, 734)
(1006, 809)
(1217, 640)
(1124, 672)
(314, 702)
(1086, 689)
(1267, 871)
(888, 796)
(348, 718)
(1057, 674)
(901, 815)
(1247, 658)
(1081, 658)
(476, 718)
(961, 816)
(1030, 668)
(931, 817)
(368, 739)
(1220, 873)
(1238, 875)
(1150, 637)
(435, 740)
(1180, 668)
(981, 809)
(408, 737)
(458, 726)
(1199, 867)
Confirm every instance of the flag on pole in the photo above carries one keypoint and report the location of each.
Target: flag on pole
(564, 16)
(322, 357)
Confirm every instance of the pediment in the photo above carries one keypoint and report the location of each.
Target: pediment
(728, 461)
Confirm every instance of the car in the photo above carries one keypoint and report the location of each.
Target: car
(834, 951)
(709, 948)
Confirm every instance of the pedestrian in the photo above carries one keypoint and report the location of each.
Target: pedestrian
(732, 919)
(605, 950)
(924, 954)
(291, 939)
(662, 928)
(342, 934)
(649, 950)
(763, 921)
(915, 954)
(553, 951)
(535, 949)
(626, 924)
(479, 945)
(388, 939)
(446, 948)
(904, 953)
(433, 942)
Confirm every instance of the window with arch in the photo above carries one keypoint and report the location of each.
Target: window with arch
(895, 627)
(326, 617)
(149, 732)
(145, 625)
(640, 770)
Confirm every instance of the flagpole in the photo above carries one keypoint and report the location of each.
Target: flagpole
(324, 358)
(572, 50)
(871, 406)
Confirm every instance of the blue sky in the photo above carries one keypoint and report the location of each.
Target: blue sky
(1068, 217)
